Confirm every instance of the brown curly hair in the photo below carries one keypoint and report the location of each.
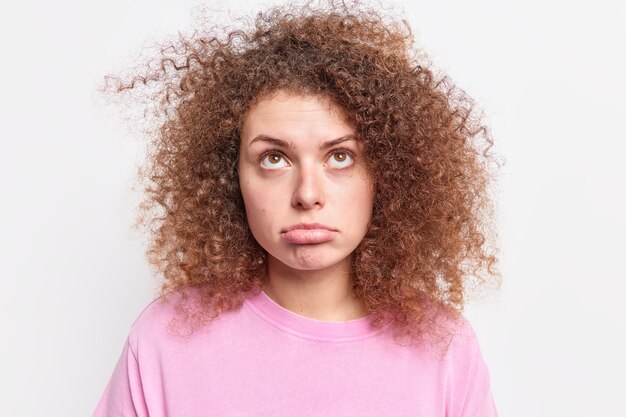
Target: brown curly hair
(431, 233)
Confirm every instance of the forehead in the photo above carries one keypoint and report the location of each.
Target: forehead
(294, 114)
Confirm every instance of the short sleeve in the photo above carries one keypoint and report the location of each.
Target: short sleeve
(469, 378)
(486, 408)
(123, 395)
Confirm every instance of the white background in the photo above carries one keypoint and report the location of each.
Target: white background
(550, 77)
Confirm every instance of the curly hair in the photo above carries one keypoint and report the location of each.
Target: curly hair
(431, 234)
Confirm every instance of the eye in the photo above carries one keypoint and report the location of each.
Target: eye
(273, 159)
(342, 158)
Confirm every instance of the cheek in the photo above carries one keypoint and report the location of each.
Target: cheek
(362, 192)
(258, 205)
(356, 202)
(257, 195)
(250, 190)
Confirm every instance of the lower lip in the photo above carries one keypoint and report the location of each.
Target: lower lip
(308, 236)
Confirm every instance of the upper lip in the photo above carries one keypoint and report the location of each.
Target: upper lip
(308, 226)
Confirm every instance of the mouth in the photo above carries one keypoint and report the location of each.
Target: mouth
(308, 226)
(308, 233)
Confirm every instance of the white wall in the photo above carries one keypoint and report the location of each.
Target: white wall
(549, 76)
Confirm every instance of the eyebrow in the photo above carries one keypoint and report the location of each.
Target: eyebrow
(291, 145)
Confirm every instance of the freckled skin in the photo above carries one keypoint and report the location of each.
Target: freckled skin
(304, 184)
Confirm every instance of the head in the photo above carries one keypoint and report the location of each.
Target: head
(301, 162)
(411, 208)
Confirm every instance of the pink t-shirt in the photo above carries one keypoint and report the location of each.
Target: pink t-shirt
(264, 360)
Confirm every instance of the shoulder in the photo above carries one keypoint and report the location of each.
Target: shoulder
(154, 313)
(447, 332)
(463, 337)
(465, 370)
(460, 342)
(183, 317)
(158, 323)
(453, 341)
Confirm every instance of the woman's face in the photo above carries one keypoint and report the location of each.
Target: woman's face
(299, 163)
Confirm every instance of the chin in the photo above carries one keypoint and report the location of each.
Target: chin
(307, 261)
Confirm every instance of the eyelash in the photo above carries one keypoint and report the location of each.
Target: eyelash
(334, 151)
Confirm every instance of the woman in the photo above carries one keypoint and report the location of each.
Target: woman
(323, 209)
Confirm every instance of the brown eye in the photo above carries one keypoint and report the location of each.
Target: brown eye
(338, 159)
(273, 159)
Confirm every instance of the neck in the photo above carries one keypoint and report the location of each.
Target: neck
(321, 294)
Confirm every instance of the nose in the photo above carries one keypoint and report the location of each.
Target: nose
(309, 188)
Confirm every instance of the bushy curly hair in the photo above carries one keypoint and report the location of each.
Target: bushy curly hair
(431, 237)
